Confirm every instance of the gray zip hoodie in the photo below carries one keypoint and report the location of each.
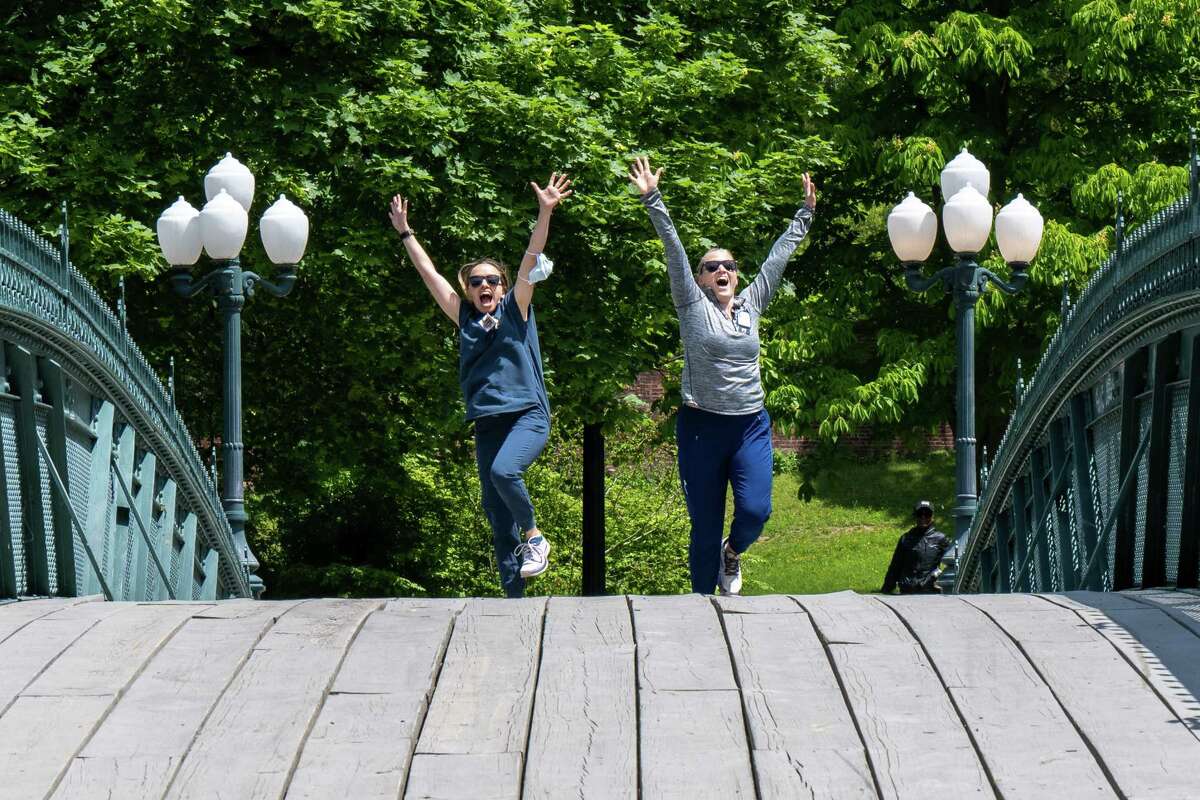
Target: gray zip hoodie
(720, 355)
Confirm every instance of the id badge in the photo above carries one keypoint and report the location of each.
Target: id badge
(742, 321)
(489, 323)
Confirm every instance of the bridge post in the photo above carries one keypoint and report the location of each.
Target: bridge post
(1003, 556)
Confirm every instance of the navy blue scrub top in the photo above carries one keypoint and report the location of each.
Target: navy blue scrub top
(500, 371)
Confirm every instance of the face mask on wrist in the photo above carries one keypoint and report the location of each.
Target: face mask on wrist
(542, 269)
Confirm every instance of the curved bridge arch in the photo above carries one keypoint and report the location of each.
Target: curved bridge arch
(1088, 488)
(101, 488)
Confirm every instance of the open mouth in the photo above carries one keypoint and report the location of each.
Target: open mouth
(723, 281)
(485, 297)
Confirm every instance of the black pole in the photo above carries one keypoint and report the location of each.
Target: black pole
(593, 509)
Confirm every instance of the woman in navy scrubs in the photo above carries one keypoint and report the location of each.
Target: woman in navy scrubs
(500, 371)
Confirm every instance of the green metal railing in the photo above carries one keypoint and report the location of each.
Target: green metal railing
(1094, 483)
(83, 413)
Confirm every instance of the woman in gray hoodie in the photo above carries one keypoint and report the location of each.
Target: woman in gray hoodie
(723, 430)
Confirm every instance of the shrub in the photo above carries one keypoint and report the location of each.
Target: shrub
(434, 538)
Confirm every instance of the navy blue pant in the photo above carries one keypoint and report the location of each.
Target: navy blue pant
(505, 446)
(716, 450)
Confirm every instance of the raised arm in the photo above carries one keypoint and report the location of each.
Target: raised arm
(684, 290)
(760, 292)
(443, 293)
(555, 192)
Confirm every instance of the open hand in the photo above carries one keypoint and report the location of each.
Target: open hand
(810, 192)
(398, 214)
(555, 192)
(642, 177)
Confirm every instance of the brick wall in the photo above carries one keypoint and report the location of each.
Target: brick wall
(649, 388)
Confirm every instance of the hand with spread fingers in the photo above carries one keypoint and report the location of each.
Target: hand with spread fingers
(555, 192)
(810, 192)
(398, 214)
(641, 176)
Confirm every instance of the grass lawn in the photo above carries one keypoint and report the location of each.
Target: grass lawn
(844, 537)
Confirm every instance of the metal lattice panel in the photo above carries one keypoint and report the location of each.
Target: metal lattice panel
(176, 552)
(1077, 554)
(197, 579)
(12, 479)
(1054, 582)
(1178, 436)
(1145, 411)
(1106, 454)
(152, 579)
(51, 561)
(109, 532)
(79, 472)
(127, 563)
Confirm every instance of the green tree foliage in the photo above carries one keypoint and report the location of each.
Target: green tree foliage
(353, 419)
(352, 404)
(1066, 102)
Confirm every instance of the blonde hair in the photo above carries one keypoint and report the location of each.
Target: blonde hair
(464, 272)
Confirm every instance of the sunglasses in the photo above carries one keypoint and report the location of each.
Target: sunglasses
(477, 280)
(713, 266)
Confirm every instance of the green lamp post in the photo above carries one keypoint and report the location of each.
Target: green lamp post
(967, 221)
(220, 231)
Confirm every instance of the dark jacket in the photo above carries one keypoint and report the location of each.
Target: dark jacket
(915, 560)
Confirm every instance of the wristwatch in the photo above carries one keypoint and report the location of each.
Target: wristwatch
(405, 234)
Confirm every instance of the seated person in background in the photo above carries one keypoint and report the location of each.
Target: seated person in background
(916, 562)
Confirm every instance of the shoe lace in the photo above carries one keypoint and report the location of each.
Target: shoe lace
(733, 562)
(524, 549)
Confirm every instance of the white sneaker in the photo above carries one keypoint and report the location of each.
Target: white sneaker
(730, 578)
(534, 555)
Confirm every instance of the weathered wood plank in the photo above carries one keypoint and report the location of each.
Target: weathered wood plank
(362, 743)
(999, 693)
(693, 732)
(462, 776)
(693, 744)
(75, 692)
(681, 646)
(249, 743)
(484, 699)
(1141, 742)
(31, 648)
(583, 739)
(14, 616)
(913, 735)
(1163, 650)
(757, 604)
(804, 740)
(136, 750)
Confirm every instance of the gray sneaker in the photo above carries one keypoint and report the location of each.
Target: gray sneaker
(731, 570)
(534, 555)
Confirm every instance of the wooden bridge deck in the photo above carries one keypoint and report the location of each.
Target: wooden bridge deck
(839, 695)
